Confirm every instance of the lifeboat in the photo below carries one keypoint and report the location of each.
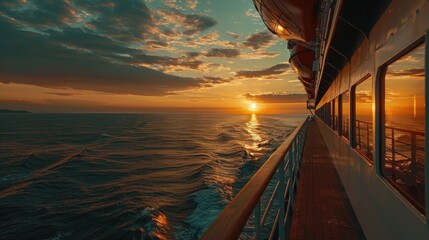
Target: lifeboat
(301, 61)
(290, 19)
(296, 22)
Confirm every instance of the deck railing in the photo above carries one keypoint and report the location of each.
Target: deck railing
(364, 137)
(405, 151)
(404, 148)
(345, 128)
(285, 161)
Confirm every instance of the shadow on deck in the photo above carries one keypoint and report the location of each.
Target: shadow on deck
(322, 208)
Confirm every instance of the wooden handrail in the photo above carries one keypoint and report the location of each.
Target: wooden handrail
(231, 221)
(418, 133)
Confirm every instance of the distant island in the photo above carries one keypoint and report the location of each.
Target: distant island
(12, 111)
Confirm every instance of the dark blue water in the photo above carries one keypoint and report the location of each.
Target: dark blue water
(124, 176)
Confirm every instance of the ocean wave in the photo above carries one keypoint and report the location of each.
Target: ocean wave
(209, 205)
(224, 137)
(60, 236)
(11, 178)
(32, 161)
(128, 176)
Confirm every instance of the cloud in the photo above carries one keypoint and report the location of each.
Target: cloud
(223, 52)
(252, 13)
(260, 40)
(274, 70)
(363, 96)
(211, 81)
(118, 46)
(43, 13)
(276, 97)
(62, 94)
(183, 24)
(50, 61)
(210, 37)
(125, 20)
(258, 55)
(192, 4)
(195, 23)
(416, 72)
(192, 54)
(233, 35)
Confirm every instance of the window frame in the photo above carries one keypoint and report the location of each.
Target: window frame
(380, 155)
(353, 136)
(333, 104)
(341, 111)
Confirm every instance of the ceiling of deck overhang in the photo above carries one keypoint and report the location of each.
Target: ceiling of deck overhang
(356, 20)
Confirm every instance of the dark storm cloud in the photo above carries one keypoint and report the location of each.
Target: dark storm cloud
(274, 70)
(223, 52)
(195, 23)
(277, 98)
(259, 40)
(35, 59)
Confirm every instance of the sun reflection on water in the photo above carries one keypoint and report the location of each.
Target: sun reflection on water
(252, 129)
(161, 222)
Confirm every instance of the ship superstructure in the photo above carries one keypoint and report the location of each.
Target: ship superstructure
(363, 66)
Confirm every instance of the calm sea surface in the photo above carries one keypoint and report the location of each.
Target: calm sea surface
(125, 176)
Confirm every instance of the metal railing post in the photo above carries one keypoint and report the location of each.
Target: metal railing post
(258, 220)
(368, 150)
(358, 128)
(281, 197)
(291, 184)
(348, 129)
(295, 152)
(413, 157)
(393, 154)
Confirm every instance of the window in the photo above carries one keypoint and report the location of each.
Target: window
(363, 122)
(345, 114)
(332, 113)
(328, 114)
(404, 126)
(335, 115)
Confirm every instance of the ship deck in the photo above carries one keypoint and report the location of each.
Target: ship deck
(322, 208)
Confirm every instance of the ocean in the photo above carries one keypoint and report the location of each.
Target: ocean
(127, 176)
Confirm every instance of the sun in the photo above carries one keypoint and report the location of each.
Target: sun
(253, 107)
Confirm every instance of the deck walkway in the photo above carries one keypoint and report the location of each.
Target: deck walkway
(322, 209)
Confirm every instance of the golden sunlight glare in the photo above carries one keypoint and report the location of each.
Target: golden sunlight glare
(253, 106)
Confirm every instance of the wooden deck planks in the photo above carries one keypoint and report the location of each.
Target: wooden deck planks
(322, 209)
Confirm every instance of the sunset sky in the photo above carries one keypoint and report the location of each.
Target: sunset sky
(143, 56)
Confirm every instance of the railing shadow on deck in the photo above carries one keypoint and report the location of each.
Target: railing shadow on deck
(281, 169)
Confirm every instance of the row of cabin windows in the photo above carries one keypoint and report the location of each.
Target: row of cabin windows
(402, 108)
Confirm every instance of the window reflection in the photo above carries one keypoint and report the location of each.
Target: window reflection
(345, 114)
(363, 123)
(404, 104)
(335, 118)
(327, 114)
